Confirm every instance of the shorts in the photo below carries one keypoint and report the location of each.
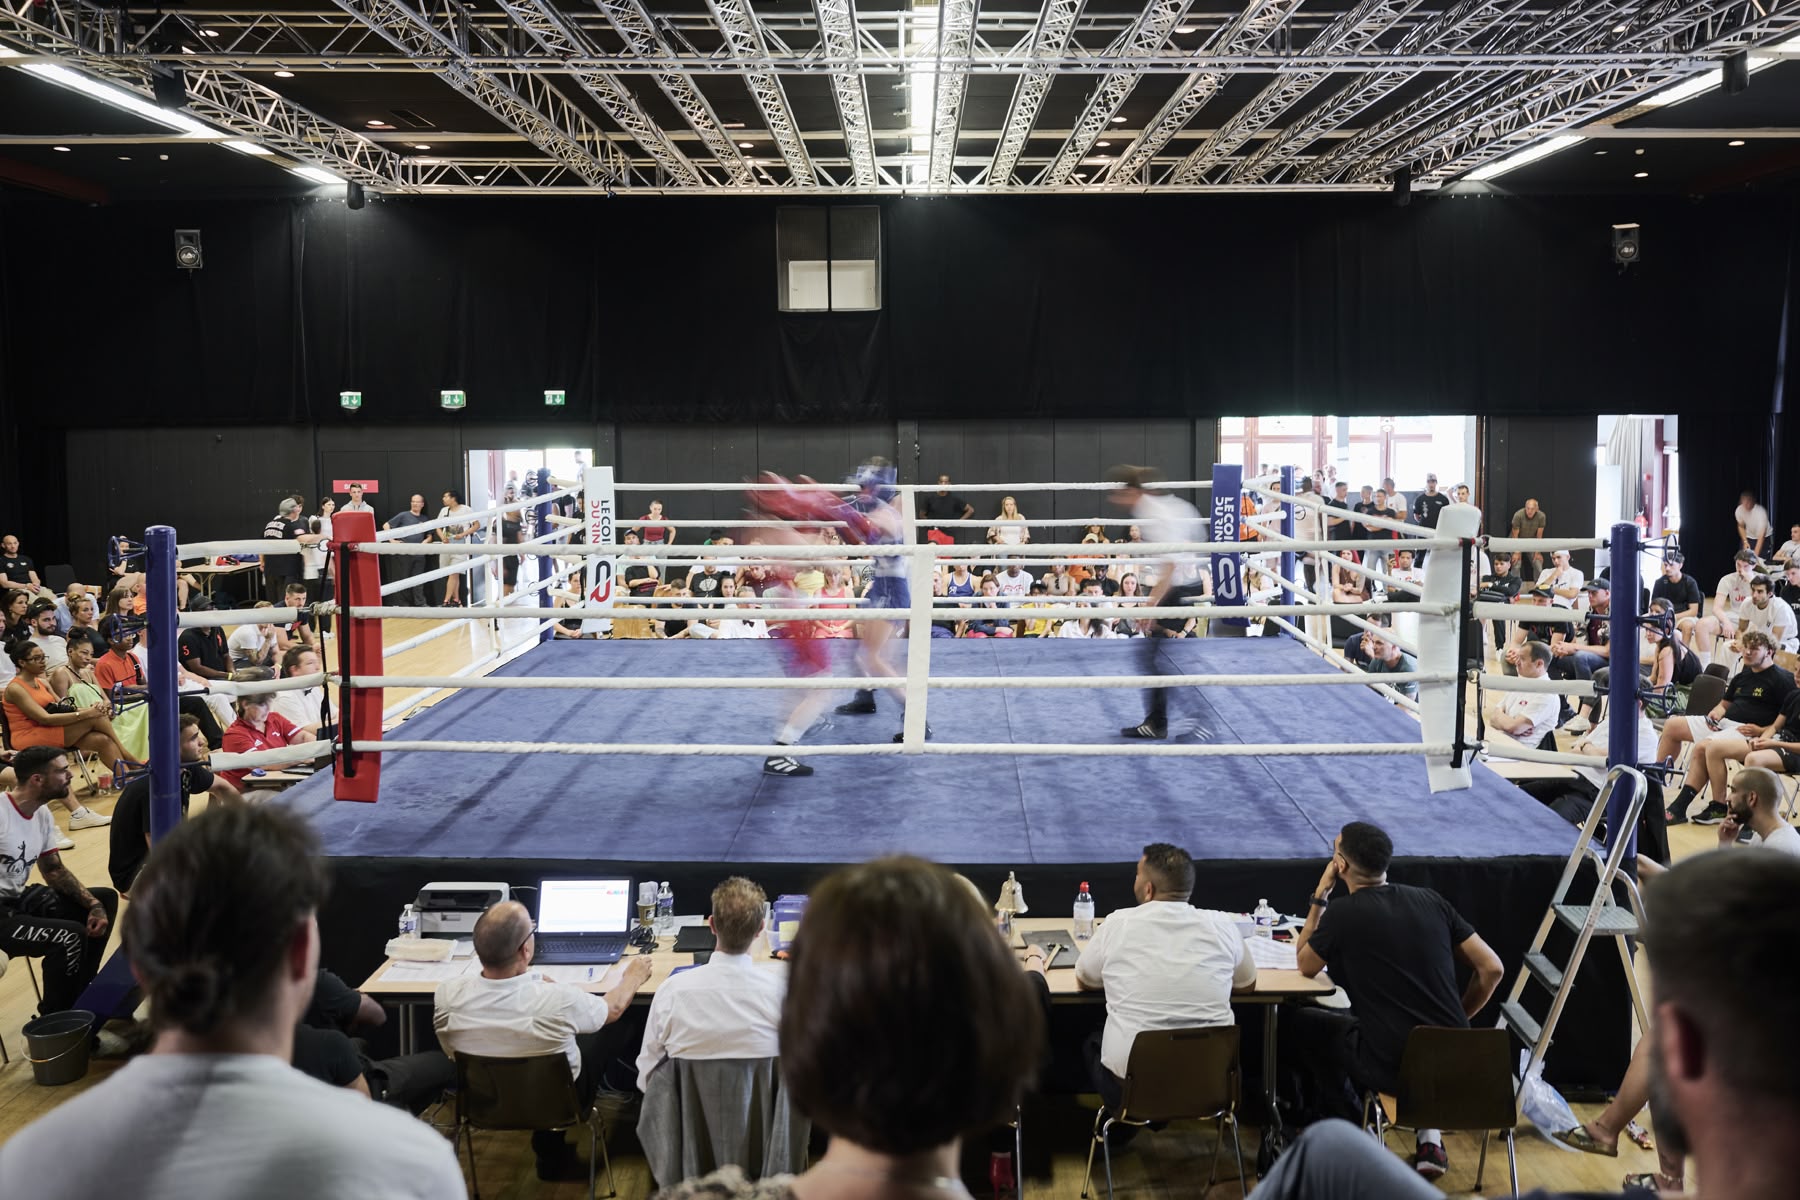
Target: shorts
(888, 591)
(1699, 730)
(803, 653)
(1790, 759)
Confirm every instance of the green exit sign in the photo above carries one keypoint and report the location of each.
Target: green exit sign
(350, 400)
(449, 399)
(556, 399)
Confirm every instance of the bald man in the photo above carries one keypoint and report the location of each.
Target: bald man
(511, 1011)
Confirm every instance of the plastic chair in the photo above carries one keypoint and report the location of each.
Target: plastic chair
(530, 1093)
(1453, 1079)
(1176, 1075)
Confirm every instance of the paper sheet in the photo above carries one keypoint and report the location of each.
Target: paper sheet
(596, 977)
(426, 972)
(1271, 954)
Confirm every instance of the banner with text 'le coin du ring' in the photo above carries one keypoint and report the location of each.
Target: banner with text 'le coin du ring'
(601, 515)
(1227, 568)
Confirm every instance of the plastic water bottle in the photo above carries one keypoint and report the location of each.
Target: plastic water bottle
(409, 922)
(1265, 918)
(665, 910)
(1084, 914)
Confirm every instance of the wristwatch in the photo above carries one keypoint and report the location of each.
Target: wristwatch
(1320, 901)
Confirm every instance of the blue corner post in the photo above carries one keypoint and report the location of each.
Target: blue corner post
(546, 564)
(1227, 567)
(1289, 571)
(162, 620)
(1623, 681)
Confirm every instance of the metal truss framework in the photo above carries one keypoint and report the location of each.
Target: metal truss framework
(1488, 77)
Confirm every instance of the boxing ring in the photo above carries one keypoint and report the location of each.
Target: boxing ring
(639, 757)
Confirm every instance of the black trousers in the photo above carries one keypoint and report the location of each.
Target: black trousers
(47, 924)
(399, 566)
(409, 1081)
(1156, 700)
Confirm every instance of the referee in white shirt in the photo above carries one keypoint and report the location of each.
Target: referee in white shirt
(1164, 965)
(1161, 518)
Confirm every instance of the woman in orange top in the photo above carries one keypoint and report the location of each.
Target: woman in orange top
(27, 704)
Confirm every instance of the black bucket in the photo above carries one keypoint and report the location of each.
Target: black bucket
(58, 1046)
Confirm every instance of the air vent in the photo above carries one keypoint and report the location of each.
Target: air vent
(407, 119)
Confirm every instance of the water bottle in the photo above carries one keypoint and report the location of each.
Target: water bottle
(665, 911)
(1084, 914)
(1265, 918)
(409, 922)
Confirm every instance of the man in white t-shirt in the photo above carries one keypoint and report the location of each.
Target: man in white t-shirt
(303, 707)
(1728, 598)
(1163, 965)
(1768, 612)
(1753, 524)
(1527, 717)
(1162, 518)
(224, 939)
(1013, 583)
(1560, 581)
(509, 1011)
(1753, 802)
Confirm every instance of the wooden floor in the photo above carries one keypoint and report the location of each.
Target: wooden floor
(1171, 1163)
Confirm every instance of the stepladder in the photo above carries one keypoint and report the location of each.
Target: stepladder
(1599, 915)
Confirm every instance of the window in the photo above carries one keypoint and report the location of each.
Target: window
(829, 258)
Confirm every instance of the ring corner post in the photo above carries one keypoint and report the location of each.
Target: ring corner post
(1440, 650)
(1227, 512)
(547, 566)
(165, 712)
(1623, 681)
(357, 773)
(920, 567)
(1290, 571)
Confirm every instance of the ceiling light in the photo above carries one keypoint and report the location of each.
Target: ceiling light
(1528, 155)
(744, 146)
(1184, 29)
(1599, 152)
(1639, 150)
(124, 158)
(1118, 120)
(284, 74)
(106, 93)
(1620, 28)
(1642, 175)
(1102, 144)
(64, 149)
(420, 146)
(1735, 142)
(248, 148)
(316, 175)
(209, 33)
(377, 124)
(1706, 81)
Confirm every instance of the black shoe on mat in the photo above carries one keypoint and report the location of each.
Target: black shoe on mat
(862, 705)
(1149, 729)
(901, 736)
(781, 764)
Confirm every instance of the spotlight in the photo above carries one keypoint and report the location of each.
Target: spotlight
(1403, 187)
(170, 90)
(187, 250)
(1626, 247)
(1736, 72)
(354, 196)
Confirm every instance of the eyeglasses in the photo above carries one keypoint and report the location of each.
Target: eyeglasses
(38, 657)
(527, 937)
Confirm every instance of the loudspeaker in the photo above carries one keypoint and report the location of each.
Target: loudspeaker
(1403, 187)
(354, 196)
(187, 250)
(1736, 70)
(170, 90)
(1626, 248)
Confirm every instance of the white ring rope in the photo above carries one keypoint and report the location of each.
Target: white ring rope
(1530, 754)
(472, 518)
(1526, 614)
(219, 617)
(607, 683)
(278, 757)
(1010, 749)
(1518, 683)
(1387, 634)
(463, 566)
(916, 489)
(753, 554)
(250, 549)
(851, 613)
(1333, 657)
(1311, 501)
(1547, 545)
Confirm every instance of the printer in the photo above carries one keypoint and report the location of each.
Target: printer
(450, 910)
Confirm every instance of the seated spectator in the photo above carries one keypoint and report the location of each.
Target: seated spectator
(1560, 582)
(36, 716)
(1014, 582)
(1037, 627)
(704, 578)
(254, 645)
(1769, 613)
(1527, 717)
(18, 570)
(75, 683)
(303, 707)
(324, 1050)
(1753, 700)
(40, 622)
(300, 632)
(1576, 652)
(258, 727)
(58, 920)
(1349, 587)
(1679, 589)
(738, 627)
(1753, 524)
(641, 574)
(1789, 588)
(856, 1014)
(1771, 749)
(729, 1007)
(511, 1011)
(131, 815)
(1728, 598)
(1575, 794)
(223, 937)
(120, 668)
(1356, 646)
(1395, 950)
(987, 625)
(1088, 627)
(836, 594)
(202, 651)
(1386, 658)
(82, 626)
(1163, 965)
(1058, 582)
(1790, 549)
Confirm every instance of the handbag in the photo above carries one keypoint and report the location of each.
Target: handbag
(65, 705)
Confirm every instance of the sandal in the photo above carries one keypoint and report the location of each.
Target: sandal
(1587, 1143)
(1639, 1136)
(1654, 1182)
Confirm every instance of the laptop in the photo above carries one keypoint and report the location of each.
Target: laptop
(583, 920)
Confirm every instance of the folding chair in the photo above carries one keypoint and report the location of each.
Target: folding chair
(534, 1092)
(1453, 1079)
(1176, 1075)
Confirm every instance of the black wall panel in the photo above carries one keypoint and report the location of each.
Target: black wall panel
(1551, 458)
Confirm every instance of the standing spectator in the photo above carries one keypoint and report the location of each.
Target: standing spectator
(317, 556)
(1309, 526)
(1682, 593)
(1009, 528)
(17, 570)
(1396, 497)
(1396, 951)
(398, 566)
(1461, 493)
(454, 535)
(223, 936)
(1752, 524)
(511, 528)
(356, 503)
(1339, 528)
(1530, 522)
(1426, 507)
(944, 505)
(653, 531)
(285, 567)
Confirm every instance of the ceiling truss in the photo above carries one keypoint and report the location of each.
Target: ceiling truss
(1340, 97)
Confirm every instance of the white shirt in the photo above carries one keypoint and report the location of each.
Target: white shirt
(728, 1008)
(1073, 629)
(516, 1017)
(454, 532)
(192, 1126)
(1008, 531)
(22, 842)
(1013, 582)
(56, 650)
(1597, 739)
(1732, 594)
(1566, 577)
(248, 643)
(313, 557)
(1542, 709)
(1164, 518)
(1755, 521)
(1164, 965)
(1786, 839)
(1307, 522)
(736, 628)
(304, 708)
(1779, 614)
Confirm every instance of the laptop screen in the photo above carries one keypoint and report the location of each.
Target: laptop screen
(584, 906)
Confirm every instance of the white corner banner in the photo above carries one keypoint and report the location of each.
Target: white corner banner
(600, 513)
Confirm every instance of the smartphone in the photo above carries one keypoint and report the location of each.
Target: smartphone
(1712, 723)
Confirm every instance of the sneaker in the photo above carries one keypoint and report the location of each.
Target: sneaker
(87, 818)
(781, 764)
(1578, 724)
(1677, 815)
(861, 706)
(1430, 1161)
(1712, 814)
(63, 841)
(901, 736)
(1148, 729)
